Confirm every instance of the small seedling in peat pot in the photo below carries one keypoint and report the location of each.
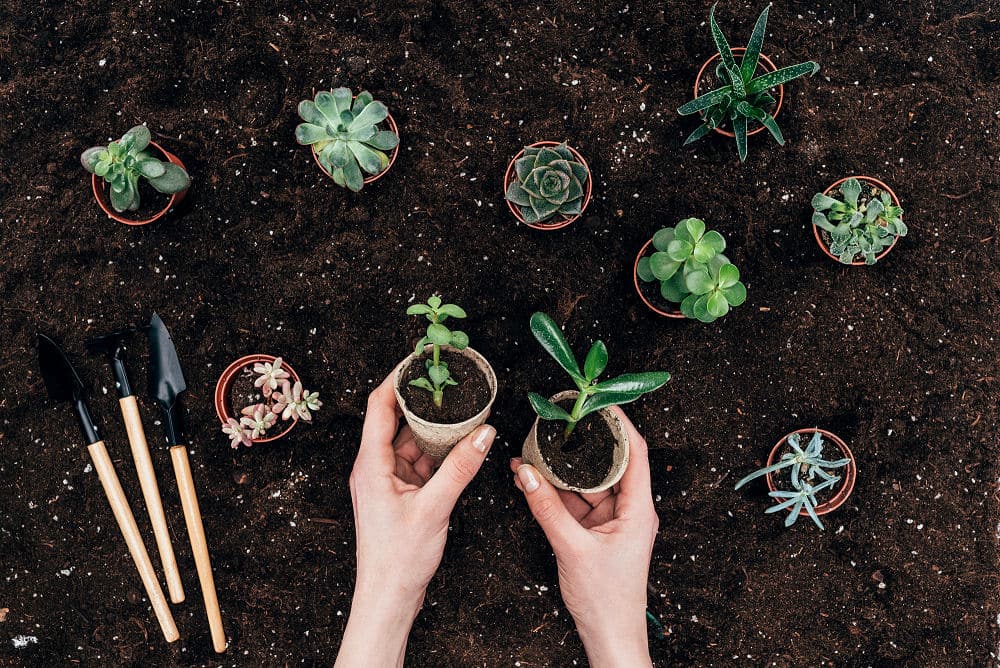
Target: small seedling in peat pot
(548, 180)
(743, 96)
(863, 221)
(437, 335)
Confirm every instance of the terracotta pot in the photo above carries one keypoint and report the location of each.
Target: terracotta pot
(434, 438)
(635, 280)
(370, 178)
(819, 237)
(225, 383)
(846, 483)
(764, 63)
(100, 188)
(562, 221)
(532, 454)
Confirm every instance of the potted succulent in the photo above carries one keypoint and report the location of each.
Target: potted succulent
(857, 217)
(442, 360)
(259, 398)
(802, 481)
(573, 452)
(135, 172)
(348, 135)
(547, 185)
(682, 273)
(740, 94)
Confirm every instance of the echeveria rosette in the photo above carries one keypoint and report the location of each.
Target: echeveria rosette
(343, 131)
(548, 181)
(858, 227)
(122, 163)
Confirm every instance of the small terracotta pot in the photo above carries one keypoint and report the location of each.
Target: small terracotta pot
(225, 383)
(819, 237)
(563, 221)
(532, 454)
(434, 438)
(846, 484)
(370, 178)
(635, 280)
(100, 188)
(764, 62)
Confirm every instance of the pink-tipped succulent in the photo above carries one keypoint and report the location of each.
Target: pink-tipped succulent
(278, 399)
(236, 433)
(257, 419)
(269, 376)
(297, 401)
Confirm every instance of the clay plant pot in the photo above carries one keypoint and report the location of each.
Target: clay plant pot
(819, 237)
(561, 221)
(223, 387)
(434, 438)
(370, 178)
(676, 313)
(765, 63)
(846, 483)
(532, 454)
(100, 188)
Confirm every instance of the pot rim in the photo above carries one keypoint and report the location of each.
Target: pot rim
(850, 476)
(819, 237)
(739, 50)
(635, 281)
(491, 380)
(371, 178)
(224, 384)
(98, 185)
(508, 177)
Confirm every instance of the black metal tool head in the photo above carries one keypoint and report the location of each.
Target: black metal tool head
(113, 345)
(166, 378)
(64, 384)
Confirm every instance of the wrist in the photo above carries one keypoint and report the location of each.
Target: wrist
(378, 627)
(613, 645)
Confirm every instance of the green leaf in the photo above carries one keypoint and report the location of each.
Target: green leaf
(384, 140)
(91, 157)
(674, 290)
(635, 382)
(714, 241)
(597, 360)
(784, 75)
(680, 250)
(717, 305)
(548, 334)
(643, 270)
(173, 180)
(307, 133)
(438, 334)
(740, 130)
(698, 133)
(371, 161)
(851, 190)
(687, 306)
(821, 202)
(343, 98)
(459, 340)
(720, 40)
(662, 238)
(439, 374)
(373, 114)
(546, 409)
(516, 194)
(729, 275)
(543, 208)
(662, 266)
(691, 229)
(739, 88)
(701, 310)
(126, 198)
(140, 137)
(418, 309)
(767, 120)
(352, 176)
(422, 383)
(750, 57)
(705, 101)
(434, 301)
(310, 113)
(327, 105)
(452, 310)
(699, 282)
(151, 168)
(361, 101)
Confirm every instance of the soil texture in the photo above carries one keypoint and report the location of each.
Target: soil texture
(585, 458)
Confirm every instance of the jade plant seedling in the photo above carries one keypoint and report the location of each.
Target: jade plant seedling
(548, 180)
(593, 395)
(858, 226)
(122, 163)
(743, 96)
(343, 130)
(280, 400)
(692, 271)
(806, 465)
(438, 377)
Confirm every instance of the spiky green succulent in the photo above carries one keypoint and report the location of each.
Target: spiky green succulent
(743, 97)
(548, 181)
(343, 131)
(859, 223)
(122, 163)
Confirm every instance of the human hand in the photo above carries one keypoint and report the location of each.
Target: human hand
(603, 543)
(401, 511)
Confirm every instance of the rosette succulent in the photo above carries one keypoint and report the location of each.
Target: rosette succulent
(438, 334)
(863, 221)
(548, 180)
(122, 163)
(343, 132)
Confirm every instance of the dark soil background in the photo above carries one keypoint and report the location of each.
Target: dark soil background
(268, 255)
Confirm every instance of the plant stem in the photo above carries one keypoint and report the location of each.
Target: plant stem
(575, 414)
(438, 397)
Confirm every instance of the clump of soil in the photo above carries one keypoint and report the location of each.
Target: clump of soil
(461, 402)
(585, 458)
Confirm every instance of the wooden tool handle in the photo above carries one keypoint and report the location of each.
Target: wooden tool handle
(151, 493)
(199, 547)
(126, 522)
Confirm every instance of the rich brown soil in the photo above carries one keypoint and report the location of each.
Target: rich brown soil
(242, 392)
(584, 459)
(461, 402)
(266, 252)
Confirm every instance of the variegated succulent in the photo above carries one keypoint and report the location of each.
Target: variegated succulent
(863, 221)
(278, 400)
(548, 181)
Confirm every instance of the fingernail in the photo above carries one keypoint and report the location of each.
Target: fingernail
(483, 437)
(527, 475)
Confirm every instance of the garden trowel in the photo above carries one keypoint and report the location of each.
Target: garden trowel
(166, 382)
(64, 384)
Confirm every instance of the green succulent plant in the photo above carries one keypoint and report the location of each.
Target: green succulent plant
(345, 135)
(438, 334)
(548, 180)
(743, 97)
(692, 271)
(122, 163)
(859, 223)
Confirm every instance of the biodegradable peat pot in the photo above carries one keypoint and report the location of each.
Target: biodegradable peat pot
(673, 313)
(435, 438)
(100, 188)
(224, 388)
(822, 238)
(370, 178)
(764, 63)
(531, 453)
(560, 221)
(846, 483)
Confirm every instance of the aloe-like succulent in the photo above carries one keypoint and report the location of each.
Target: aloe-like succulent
(692, 271)
(548, 180)
(859, 223)
(122, 163)
(343, 131)
(438, 377)
(743, 97)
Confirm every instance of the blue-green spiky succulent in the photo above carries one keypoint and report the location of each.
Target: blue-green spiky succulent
(548, 181)
(343, 131)
(860, 222)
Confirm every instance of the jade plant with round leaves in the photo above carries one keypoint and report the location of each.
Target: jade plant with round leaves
(549, 180)
(438, 334)
(343, 130)
(692, 271)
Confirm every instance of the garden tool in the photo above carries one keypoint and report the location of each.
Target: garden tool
(64, 384)
(113, 345)
(166, 382)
